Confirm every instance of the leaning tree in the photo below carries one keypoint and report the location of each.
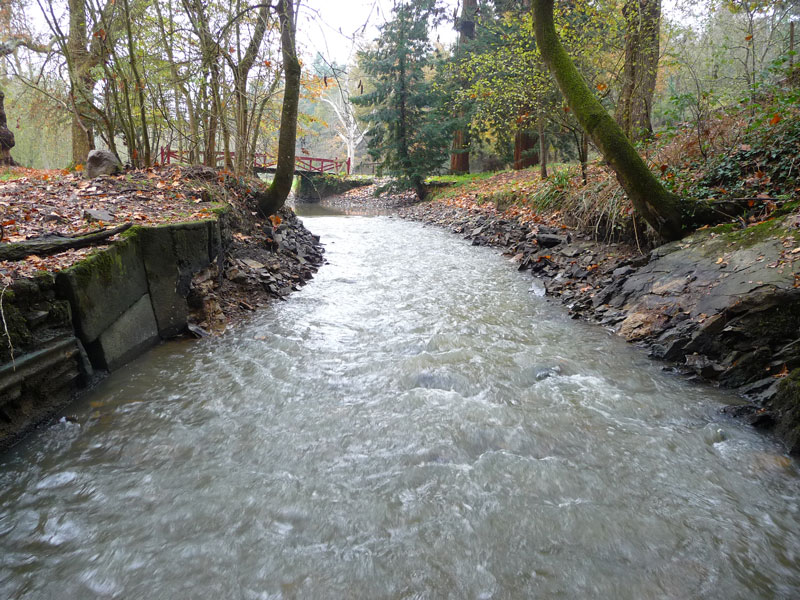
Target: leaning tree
(662, 210)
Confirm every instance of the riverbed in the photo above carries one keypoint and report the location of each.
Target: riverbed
(415, 423)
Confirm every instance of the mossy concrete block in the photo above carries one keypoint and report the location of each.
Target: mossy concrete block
(102, 287)
(130, 335)
(161, 266)
(313, 187)
(192, 244)
(216, 244)
(172, 254)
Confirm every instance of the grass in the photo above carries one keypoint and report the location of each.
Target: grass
(459, 179)
(737, 157)
(507, 188)
(8, 175)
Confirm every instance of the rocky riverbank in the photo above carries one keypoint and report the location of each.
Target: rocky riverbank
(722, 305)
(367, 200)
(264, 261)
(190, 256)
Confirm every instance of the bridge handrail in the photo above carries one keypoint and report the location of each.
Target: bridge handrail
(326, 165)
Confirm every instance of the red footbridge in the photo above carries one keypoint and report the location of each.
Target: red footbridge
(265, 163)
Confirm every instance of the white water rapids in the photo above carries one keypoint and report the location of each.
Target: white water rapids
(413, 424)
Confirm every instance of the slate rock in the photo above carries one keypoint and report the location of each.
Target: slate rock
(621, 272)
(98, 214)
(548, 240)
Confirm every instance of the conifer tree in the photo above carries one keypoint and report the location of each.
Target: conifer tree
(410, 132)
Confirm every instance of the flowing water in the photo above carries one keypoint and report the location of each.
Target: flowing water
(413, 424)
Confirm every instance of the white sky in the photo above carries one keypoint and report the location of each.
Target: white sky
(331, 26)
(336, 27)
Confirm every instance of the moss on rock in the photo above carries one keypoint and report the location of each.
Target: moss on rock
(14, 328)
(750, 236)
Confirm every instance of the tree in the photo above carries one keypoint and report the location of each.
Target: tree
(635, 104)
(459, 159)
(511, 93)
(341, 80)
(274, 198)
(82, 56)
(410, 131)
(6, 136)
(660, 208)
(8, 47)
(241, 71)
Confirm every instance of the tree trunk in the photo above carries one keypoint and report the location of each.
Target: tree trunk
(82, 83)
(542, 148)
(419, 187)
(524, 154)
(210, 153)
(583, 154)
(274, 198)
(642, 27)
(54, 244)
(660, 208)
(459, 159)
(6, 136)
(241, 71)
(137, 158)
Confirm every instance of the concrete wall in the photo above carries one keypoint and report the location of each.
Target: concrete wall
(314, 187)
(96, 316)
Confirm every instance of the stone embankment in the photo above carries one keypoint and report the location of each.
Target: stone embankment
(721, 305)
(62, 331)
(315, 187)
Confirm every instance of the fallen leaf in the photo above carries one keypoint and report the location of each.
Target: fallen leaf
(782, 373)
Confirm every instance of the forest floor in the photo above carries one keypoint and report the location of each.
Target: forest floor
(265, 259)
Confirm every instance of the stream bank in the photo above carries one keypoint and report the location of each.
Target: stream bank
(413, 424)
(70, 318)
(722, 305)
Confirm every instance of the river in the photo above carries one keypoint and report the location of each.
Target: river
(415, 423)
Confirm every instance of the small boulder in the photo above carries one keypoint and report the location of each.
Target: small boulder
(98, 214)
(200, 172)
(102, 162)
(548, 240)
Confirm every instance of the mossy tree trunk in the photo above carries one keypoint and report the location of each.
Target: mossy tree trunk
(274, 198)
(660, 208)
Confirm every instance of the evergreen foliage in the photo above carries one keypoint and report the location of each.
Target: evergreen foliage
(411, 131)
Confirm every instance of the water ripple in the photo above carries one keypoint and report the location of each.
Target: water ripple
(413, 424)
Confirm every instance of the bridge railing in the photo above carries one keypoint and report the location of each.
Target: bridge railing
(263, 160)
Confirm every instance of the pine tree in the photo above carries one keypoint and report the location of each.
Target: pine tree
(410, 132)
